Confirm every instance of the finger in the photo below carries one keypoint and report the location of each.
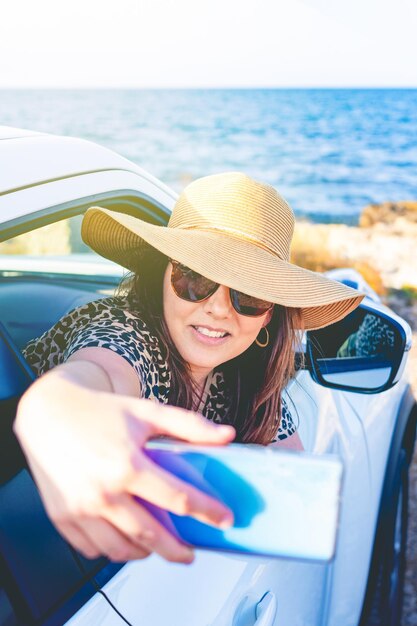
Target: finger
(141, 527)
(156, 485)
(78, 540)
(182, 424)
(111, 542)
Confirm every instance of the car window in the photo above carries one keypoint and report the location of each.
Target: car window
(58, 239)
(47, 272)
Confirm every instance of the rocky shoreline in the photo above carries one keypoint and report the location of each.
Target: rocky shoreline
(388, 246)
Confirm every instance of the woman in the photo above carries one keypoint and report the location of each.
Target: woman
(208, 325)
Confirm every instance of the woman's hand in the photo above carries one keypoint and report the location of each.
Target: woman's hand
(85, 449)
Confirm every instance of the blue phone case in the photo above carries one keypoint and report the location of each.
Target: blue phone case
(285, 504)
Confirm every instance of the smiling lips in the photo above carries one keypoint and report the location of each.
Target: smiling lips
(209, 335)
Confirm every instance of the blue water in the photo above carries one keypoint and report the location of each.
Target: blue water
(329, 152)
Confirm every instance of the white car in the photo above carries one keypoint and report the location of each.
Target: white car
(353, 404)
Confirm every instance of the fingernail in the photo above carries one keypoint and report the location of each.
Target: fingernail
(188, 557)
(226, 522)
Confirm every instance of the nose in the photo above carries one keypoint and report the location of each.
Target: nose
(219, 304)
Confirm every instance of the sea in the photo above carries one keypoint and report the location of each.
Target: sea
(329, 152)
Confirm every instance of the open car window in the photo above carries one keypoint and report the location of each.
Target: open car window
(61, 238)
(47, 272)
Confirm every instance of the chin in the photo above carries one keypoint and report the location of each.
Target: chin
(204, 361)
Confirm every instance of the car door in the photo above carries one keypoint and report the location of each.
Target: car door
(221, 590)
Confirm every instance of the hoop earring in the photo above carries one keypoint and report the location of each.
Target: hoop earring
(266, 342)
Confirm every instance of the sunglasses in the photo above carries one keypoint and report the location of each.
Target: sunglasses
(193, 287)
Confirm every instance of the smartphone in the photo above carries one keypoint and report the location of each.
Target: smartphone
(285, 504)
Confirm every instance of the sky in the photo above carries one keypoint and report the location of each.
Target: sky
(208, 43)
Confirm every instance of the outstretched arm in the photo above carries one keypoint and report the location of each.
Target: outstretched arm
(83, 428)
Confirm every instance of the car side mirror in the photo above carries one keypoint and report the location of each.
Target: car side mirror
(365, 352)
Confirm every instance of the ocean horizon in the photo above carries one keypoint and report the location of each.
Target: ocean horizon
(329, 152)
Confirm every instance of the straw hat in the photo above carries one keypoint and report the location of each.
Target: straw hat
(235, 231)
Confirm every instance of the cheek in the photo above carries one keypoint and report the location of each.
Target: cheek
(253, 325)
(166, 285)
(175, 309)
(168, 299)
(250, 329)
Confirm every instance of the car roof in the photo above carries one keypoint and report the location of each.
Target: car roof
(8, 132)
(30, 158)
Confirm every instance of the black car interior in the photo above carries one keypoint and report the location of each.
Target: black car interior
(42, 579)
(28, 307)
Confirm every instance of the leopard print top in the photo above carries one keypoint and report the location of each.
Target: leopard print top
(111, 323)
(373, 337)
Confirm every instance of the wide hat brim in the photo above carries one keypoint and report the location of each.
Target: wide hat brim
(225, 259)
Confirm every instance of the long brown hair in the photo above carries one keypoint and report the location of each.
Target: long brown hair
(255, 379)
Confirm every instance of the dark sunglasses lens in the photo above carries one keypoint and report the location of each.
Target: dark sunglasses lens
(248, 305)
(190, 285)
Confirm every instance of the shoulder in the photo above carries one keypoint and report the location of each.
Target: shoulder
(116, 314)
(287, 426)
(216, 400)
(104, 313)
(106, 310)
(107, 320)
(111, 322)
